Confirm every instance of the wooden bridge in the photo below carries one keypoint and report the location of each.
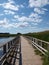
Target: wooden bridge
(20, 51)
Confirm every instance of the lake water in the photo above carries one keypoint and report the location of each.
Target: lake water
(3, 41)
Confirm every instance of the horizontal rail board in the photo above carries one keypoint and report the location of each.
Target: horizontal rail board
(10, 51)
(38, 44)
(39, 47)
(38, 39)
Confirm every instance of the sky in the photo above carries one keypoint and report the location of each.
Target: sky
(24, 16)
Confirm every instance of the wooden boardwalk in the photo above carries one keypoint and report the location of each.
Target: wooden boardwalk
(28, 55)
(20, 52)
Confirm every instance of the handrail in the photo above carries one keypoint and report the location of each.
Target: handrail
(39, 44)
(38, 39)
(42, 40)
(6, 48)
(41, 49)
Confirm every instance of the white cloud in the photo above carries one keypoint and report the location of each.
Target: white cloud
(33, 17)
(5, 23)
(9, 12)
(23, 21)
(39, 11)
(38, 6)
(16, 25)
(22, 24)
(16, 16)
(10, 6)
(23, 18)
(38, 3)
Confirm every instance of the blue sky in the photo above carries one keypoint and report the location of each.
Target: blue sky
(24, 16)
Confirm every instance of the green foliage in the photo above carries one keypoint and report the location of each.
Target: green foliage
(4, 34)
(43, 36)
(38, 52)
(40, 35)
(8, 34)
(46, 59)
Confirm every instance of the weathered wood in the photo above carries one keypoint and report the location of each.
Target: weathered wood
(39, 44)
(4, 49)
(10, 51)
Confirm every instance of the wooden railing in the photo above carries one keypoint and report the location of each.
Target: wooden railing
(9, 51)
(41, 45)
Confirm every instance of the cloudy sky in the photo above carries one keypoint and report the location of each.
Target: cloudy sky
(24, 16)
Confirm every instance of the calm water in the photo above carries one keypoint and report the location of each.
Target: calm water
(3, 41)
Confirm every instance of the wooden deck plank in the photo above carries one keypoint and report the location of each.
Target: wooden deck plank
(28, 55)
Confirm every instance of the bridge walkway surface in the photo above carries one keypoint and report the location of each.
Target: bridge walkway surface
(20, 52)
(28, 55)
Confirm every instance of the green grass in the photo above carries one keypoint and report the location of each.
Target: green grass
(43, 36)
(40, 35)
(46, 59)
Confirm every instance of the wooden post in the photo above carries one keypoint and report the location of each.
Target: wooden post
(8, 46)
(11, 42)
(4, 49)
(36, 41)
(33, 39)
(41, 43)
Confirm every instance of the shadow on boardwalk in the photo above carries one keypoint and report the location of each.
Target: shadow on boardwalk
(20, 60)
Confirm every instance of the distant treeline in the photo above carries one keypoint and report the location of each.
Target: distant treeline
(8, 34)
(40, 35)
(4, 34)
